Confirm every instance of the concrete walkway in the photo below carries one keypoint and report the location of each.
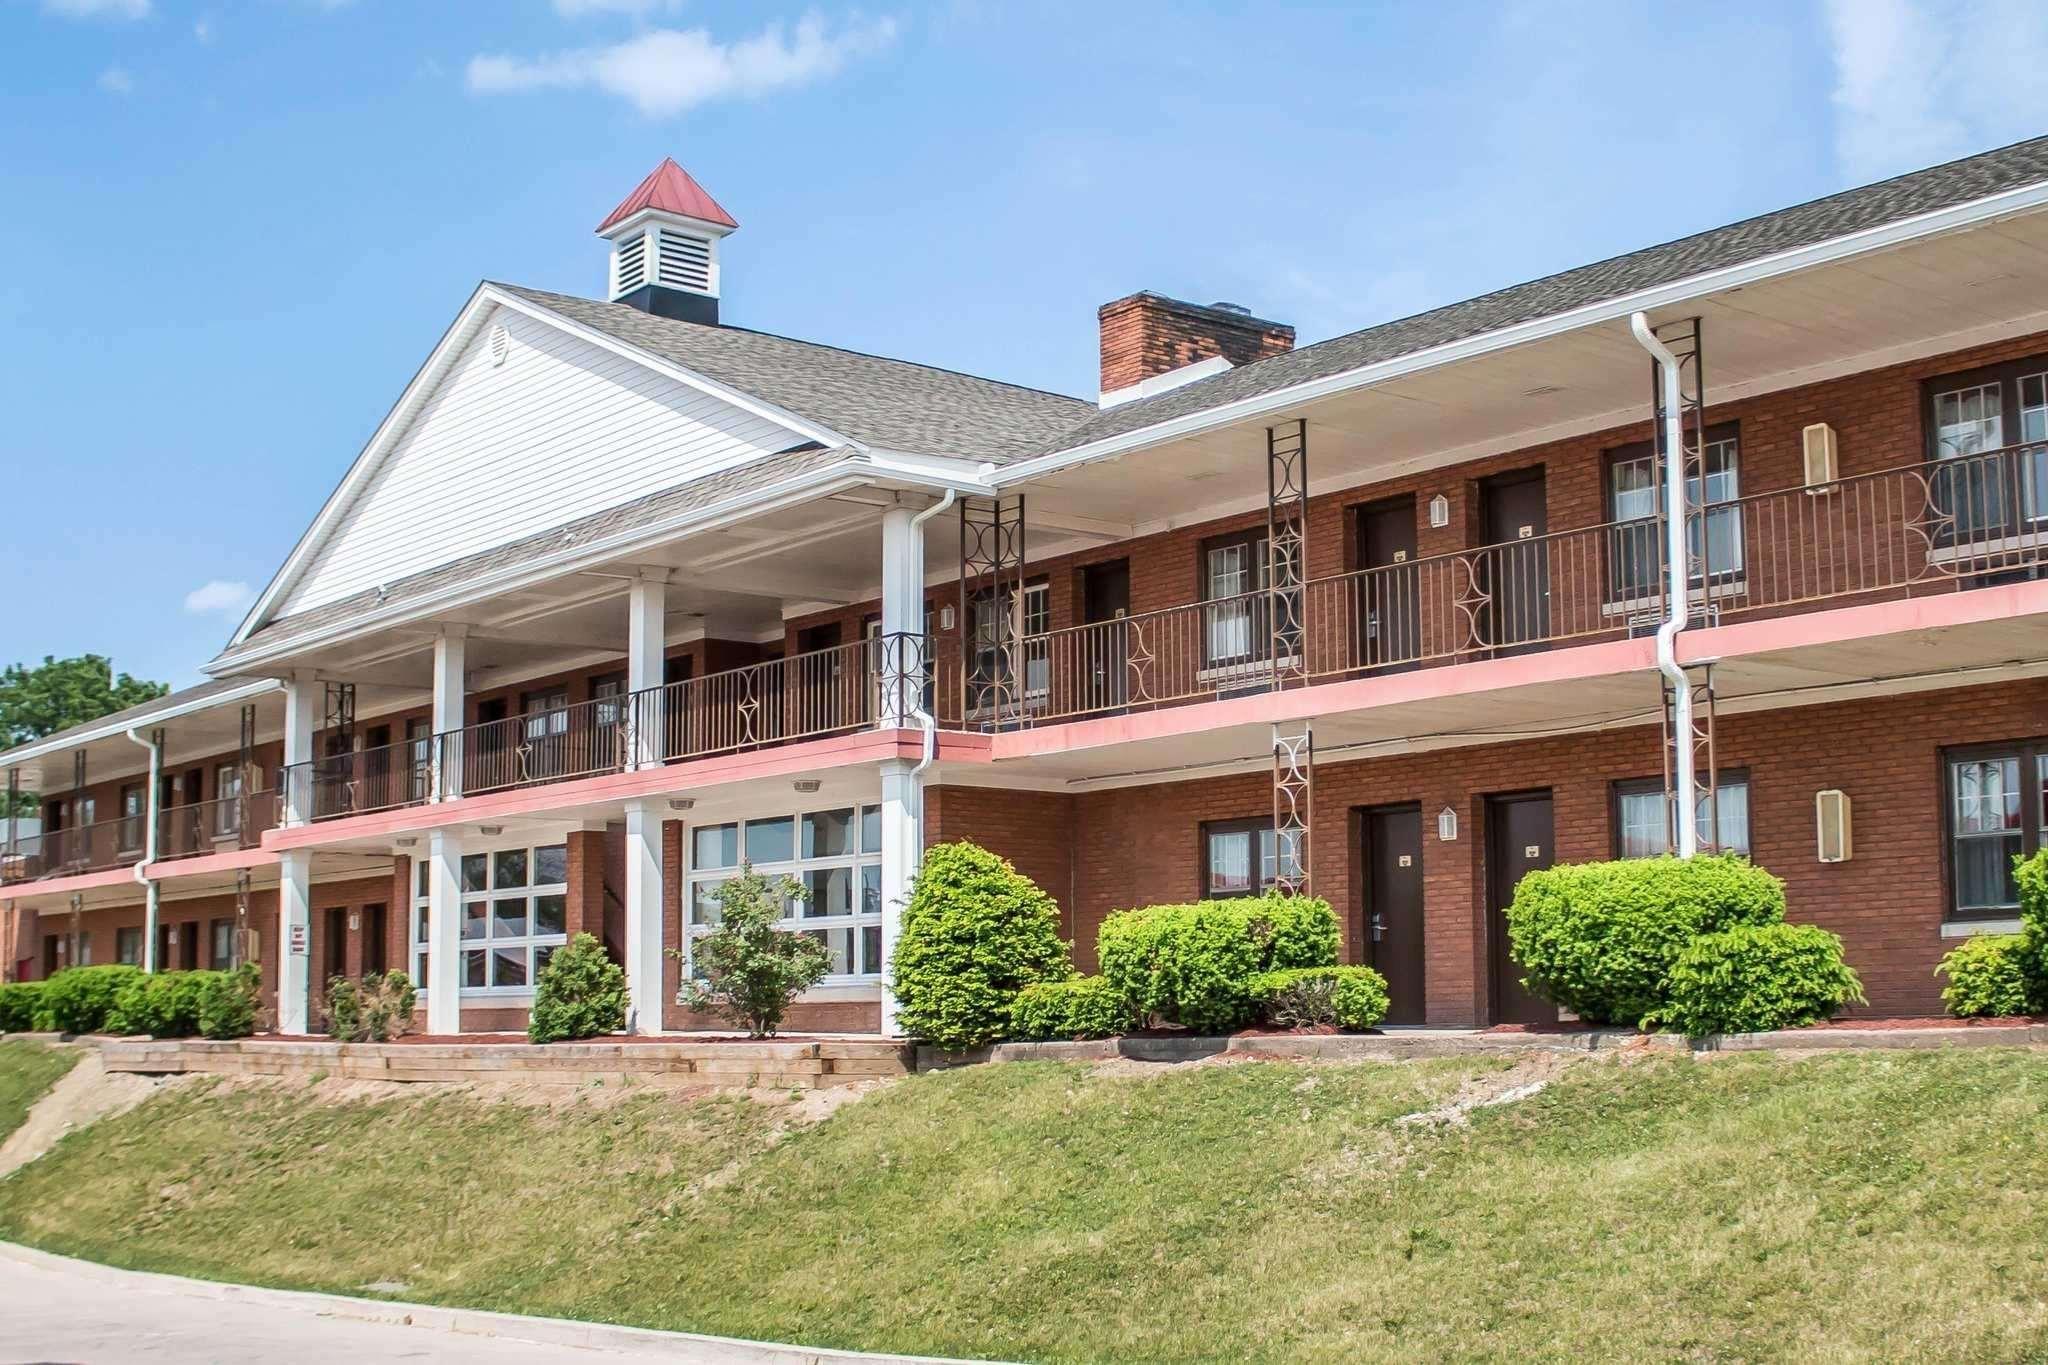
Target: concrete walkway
(53, 1308)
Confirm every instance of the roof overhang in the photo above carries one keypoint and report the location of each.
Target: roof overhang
(100, 732)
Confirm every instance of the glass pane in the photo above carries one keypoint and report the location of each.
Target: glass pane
(715, 846)
(838, 948)
(831, 892)
(551, 865)
(704, 902)
(475, 872)
(473, 967)
(771, 841)
(475, 920)
(1732, 809)
(541, 954)
(508, 918)
(420, 876)
(1645, 832)
(1230, 863)
(871, 950)
(2034, 408)
(509, 869)
(419, 925)
(419, 969)
(871, 829)
(871, 889)
(1984, 872)
(828, 833)
(508, 966)
(550, 914)
(1968, 422)
(1634, 489)
(1987, 795)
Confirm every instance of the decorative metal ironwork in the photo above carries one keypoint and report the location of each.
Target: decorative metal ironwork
(1294, 752)
(991, 645)
(1287, 549)
(341, 717)
(1472, 601)
(245, 764)
(13, 813)
(1706, 798)
(239, 951)
(1141, 659)
(1686, 341)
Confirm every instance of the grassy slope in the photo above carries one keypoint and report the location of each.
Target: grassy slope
(1883, 1204)
(26, 1071)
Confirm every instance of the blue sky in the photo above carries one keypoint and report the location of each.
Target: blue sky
(234, 230)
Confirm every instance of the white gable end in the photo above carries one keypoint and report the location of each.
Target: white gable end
(530, 428)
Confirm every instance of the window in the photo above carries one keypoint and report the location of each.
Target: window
(837, 857)
(545, 713)
(513, 915)
(131, 818)
(223, 932)
(128, 947)
(1635, 506)
(1642, 818)
(1994, 814)
(227, 810)
(1973, 420)
(1242, 858)
(987, 612)
(1236, 616)
(609, 692)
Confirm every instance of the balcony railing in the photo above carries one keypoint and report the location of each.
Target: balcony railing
(95, 847)
(230, 822)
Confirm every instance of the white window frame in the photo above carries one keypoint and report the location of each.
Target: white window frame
(227, 807)
(1659, 834)
(862, 864)
(536, 946)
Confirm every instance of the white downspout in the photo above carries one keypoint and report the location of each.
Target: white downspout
(1677, 574)
(917, 711)
(150, 814)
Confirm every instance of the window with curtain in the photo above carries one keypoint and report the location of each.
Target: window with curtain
(1642, 817)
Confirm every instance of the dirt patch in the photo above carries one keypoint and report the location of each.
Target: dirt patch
(1526, 1078)
(86, 1094)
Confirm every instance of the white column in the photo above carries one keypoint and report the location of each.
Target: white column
(902, 852)
(902, 615)
(451, 655)
(294, 939)
(301, 713)
(152, 905)
(444, 932)
(643, 916)
(646, 649)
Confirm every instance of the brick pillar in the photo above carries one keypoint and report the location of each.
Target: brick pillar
(1454, 895)
(586, 883)
(671, 921)
(398, 918)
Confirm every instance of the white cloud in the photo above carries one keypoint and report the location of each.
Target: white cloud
(98, 9)
(666, 71)
(203, 30)
(116, 81)
(638, 9)
(219, 595)
(1923, 81)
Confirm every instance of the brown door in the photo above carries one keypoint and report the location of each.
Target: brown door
(334, 952)
(1390, 626)
(491, 756)
(188, 945)
(1105, 602)
(1393, 907)
(373, 940)
(1515, 566)
(1518, 837)
(376, 792)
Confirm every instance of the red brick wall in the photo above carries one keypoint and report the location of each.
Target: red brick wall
(1147, 334)
(1034, 830)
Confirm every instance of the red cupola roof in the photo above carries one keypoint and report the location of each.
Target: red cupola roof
(669, 188)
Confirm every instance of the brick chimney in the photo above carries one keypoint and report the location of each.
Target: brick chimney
(1147, 335)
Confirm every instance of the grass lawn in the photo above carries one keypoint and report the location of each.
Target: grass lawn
(1848, 1206)
(26, 1071)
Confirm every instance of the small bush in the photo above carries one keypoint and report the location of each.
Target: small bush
(18, 1003)
(1600, 938)
(228, 1002)
(1353, 998)
(748, 970)
(581, 993)
(1991, 975)
(1068, 1011)
(1755, 978)
(975, 933)
(1191, 964)
(373, 1010)
(161, 1004)
(78, 999)
(2032, 875)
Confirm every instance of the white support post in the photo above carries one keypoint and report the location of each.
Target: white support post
(646, 649)
(643, 917)
(444, 932)
(301, 714)
(152, 910)
(902, 852)
(902, 664)
(451, 655)
(294, 940)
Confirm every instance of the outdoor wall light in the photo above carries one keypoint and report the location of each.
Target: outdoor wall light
(1447, 825)
(1439, 511)
(1833, 828)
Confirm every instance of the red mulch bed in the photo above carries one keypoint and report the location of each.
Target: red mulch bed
(486, 1039)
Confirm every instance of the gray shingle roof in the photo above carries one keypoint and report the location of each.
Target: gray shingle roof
(892, 404)
(1870, 206)
(695, 494)
(131, 716)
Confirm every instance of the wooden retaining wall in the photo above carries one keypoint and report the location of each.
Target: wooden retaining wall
(732, 1066)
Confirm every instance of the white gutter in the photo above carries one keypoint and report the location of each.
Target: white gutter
(1676, 590)
(922, 716)
(151, 892)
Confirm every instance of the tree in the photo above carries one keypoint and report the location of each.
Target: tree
(749, 970)
(60, 693)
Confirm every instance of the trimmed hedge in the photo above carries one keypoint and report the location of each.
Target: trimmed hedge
(1991, 975)
(19, 1001)
(228, 1004)
(1191, 964)
(1068, 1011)
(1601, 938)
(213, 1004)
(375, 1009)
(581, 993)
(1755, 978)
(1353, 998)
(976, 933)
(78, 999)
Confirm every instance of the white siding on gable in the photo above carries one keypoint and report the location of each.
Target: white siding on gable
(560, 429)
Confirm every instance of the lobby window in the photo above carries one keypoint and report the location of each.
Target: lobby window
(836, 855)
(514, 915)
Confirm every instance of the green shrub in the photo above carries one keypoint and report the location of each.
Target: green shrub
(581, 993)
(78, 999)
(1600, 938)
(162, 1004)
(2032, 875)
(375, 1009)
(18, 1003)
(1991, 975)
(1352, 998)
(1191, 964)
(228, 1002)
(1754, 978)
(975, 933)
(1067, 1011)
(746, 969)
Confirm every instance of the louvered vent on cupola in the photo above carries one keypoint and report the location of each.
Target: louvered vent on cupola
(629, 264)
(665, 240)
(684, 262)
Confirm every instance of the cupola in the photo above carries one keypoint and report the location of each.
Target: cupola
(664, 238)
